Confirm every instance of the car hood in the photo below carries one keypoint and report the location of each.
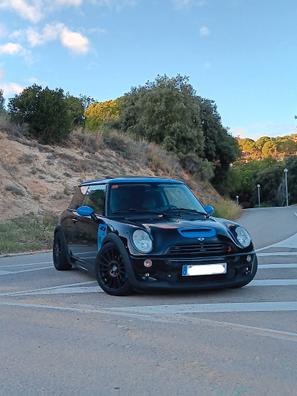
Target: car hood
(182, 223)
(177, 223)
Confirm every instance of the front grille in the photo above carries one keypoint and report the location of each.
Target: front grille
(199, 249)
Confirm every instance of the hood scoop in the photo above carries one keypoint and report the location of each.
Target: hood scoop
(197, 232)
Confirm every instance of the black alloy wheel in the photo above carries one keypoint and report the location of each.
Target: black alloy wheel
(60, 257)
(111, 271)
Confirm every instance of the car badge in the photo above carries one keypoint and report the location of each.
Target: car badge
(201, 239)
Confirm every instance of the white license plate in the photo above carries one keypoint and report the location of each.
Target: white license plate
(204, 269)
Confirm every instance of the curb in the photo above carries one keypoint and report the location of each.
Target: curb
(24, 253)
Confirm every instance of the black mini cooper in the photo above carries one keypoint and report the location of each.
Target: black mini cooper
(150, 233)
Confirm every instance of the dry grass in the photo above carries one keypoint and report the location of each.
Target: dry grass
(29, 233)
(227, 209)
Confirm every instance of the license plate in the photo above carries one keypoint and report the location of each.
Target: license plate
(204, 269)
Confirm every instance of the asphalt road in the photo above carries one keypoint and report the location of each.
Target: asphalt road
(60, 335)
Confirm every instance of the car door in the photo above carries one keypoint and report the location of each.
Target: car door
(87, 227)
(69, 219)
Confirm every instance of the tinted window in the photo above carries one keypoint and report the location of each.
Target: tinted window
(95, 198)
(152, 197)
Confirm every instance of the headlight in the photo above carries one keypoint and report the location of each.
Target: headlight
(243, 236)
(142, 241)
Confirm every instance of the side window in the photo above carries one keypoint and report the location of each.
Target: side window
(95, 198)
(78, 197)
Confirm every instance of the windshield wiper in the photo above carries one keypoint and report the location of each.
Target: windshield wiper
(136, 211)
(184, 210)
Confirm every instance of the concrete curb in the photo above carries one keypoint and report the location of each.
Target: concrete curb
(24, 253)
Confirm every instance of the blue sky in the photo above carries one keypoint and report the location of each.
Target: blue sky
(241, 53)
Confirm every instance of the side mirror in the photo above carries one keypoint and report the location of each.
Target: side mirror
(85, 211)
(209, 209)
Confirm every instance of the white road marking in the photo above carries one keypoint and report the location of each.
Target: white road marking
(277, 254)
(17, 293)
(78, 289)
(65, 290)
(277, 266)
(273, 282)
(290, 242)
(177, 318)
(273, 306)
(24, 265)
(2, 273)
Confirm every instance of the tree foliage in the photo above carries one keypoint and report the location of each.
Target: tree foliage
(265, 147)
(49, 114)
(99, 113)
(165, 111)
(291, 165)
(2, 102)
(221, 148)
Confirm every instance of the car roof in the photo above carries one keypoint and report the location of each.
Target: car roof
(129, 179)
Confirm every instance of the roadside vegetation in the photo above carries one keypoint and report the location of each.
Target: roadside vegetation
(28, 233)
(163, 127)
(267, 171)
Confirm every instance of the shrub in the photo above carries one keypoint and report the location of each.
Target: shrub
(227, 209)
(197, 166)
(15, 190)
(99, 113)
(50, 114)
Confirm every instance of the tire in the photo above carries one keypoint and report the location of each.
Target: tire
(60, 255)
(111, 271)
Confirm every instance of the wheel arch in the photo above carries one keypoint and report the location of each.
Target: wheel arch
(119, 243)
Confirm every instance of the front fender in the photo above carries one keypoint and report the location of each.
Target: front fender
(117, 241)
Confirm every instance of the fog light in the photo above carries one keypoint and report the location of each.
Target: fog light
(147, 263)
(248, 258)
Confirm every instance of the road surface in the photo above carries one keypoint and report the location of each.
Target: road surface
(61, 335)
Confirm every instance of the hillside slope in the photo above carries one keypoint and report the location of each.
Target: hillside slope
(39, 179)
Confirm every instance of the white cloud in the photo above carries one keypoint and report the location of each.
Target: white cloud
(30, 11)
(12, 49)
(49, 32)
(11, 88)
(74, 41)
(74, 3)
(204, 31)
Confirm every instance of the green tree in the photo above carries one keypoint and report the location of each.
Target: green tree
(75, 109)
(2, 102)
(270, 180)
(286, 146)
(247, 145)
(291, 165)
(243, 178)
(165, 111)
(49, 114)
(261, 141)
(220, 147)
(269, 149)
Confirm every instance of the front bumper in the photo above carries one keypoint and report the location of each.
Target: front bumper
(166, 272)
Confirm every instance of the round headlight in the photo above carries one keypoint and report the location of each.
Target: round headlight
(142, 241)
(243, 236)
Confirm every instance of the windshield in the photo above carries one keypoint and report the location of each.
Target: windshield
(152, 198)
